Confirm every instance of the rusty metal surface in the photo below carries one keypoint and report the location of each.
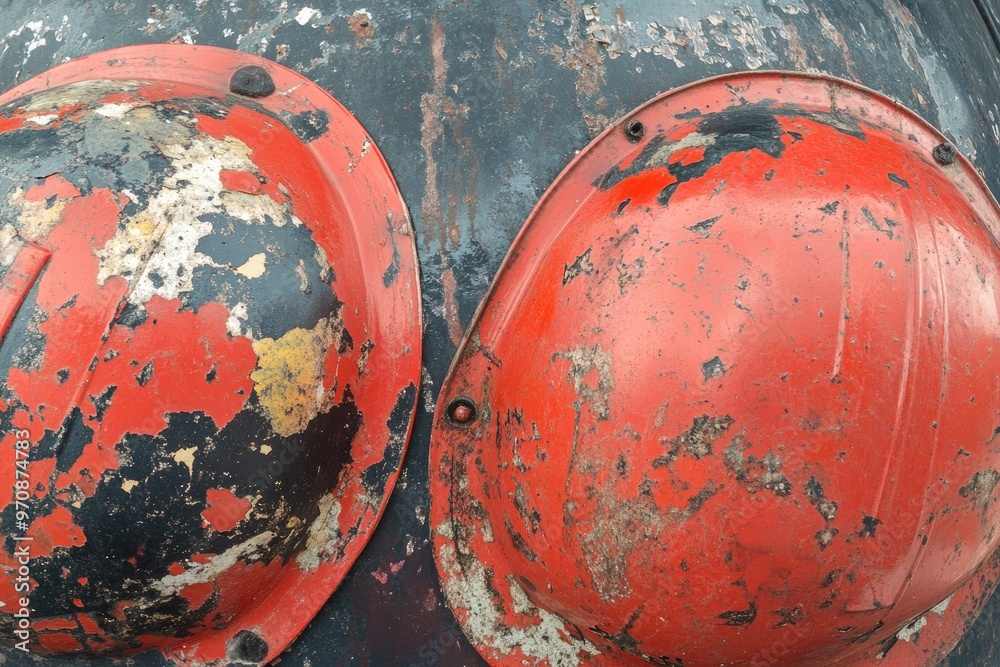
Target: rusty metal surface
(477, 106)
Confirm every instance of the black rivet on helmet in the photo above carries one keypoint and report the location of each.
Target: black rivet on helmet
(944, 153)
(252, 81)
(462, 410)
(634, 130)
(247, 647)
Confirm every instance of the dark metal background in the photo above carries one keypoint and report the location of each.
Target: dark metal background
(477, 106)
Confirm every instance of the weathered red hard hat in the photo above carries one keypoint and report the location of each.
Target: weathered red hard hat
(211, 349)
(732, 399)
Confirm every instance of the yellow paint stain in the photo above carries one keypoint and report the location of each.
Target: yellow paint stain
(289, 375)
(253, 267)
(265, 449)
(38, 219)
(186, 456)
(128, 485)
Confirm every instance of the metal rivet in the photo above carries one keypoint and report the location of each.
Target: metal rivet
(634, 130)
(252, 81)
(944, 153)
(462, 410)
(246, 647)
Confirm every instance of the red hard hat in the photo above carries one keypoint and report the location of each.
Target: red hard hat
(732, 399)
(210, 315)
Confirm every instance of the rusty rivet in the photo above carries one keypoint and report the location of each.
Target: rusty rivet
(462, 410)
(252, 81)
(634, 130)
(944, 153)
(246, 647)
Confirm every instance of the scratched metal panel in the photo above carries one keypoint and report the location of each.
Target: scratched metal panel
(477, 106)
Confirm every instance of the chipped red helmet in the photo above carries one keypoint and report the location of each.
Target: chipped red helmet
(732, 398)
(210, 315)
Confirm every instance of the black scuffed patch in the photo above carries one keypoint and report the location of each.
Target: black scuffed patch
(131, 316)
(735, 130)
(699, 499)
(308, 125)
(869, 525)
(622, 205)
(26, 341)
(865, 636)
(702, 228)
(886, 647)
(276, 298)
(825, 537)
(69, 442)
(346, 342)
(980, 488)
(898, 180)
(688, 115)
(740, 617)
(102, 401)
(873, 223)
(817, 497)
(89, 153)
(696, 441)
(753, 472)
(713, 368)
(519, 542)
(375, 477)
(145, 375)
(392, 271)
(298, 472)
(580, 265)
(788, 616)
(213, 108)
(830, 208)
(626, 643)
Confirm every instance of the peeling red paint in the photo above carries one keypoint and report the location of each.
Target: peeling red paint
(53, 531)
(114, 373)
(734, 377)
(225, 509)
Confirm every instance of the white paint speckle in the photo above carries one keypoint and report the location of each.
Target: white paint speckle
(43, 120)
(203, 573)
(254, 267)
(113, 110)
(907, 633)
(306, 14)
(325, 537)
(547, 639)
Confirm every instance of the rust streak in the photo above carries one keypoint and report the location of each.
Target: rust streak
(432, 107)
(451, 307)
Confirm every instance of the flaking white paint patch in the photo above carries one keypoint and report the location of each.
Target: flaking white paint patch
(547, 639)
(907, 633)
(941, 606)
(254, 267)
(306, 14)
(203, 573)
(185, 456)
(325, 538)
(732, 36)
(155, 250)
(43, 120)
(7, 234)
(113, 110)
(233, 324)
